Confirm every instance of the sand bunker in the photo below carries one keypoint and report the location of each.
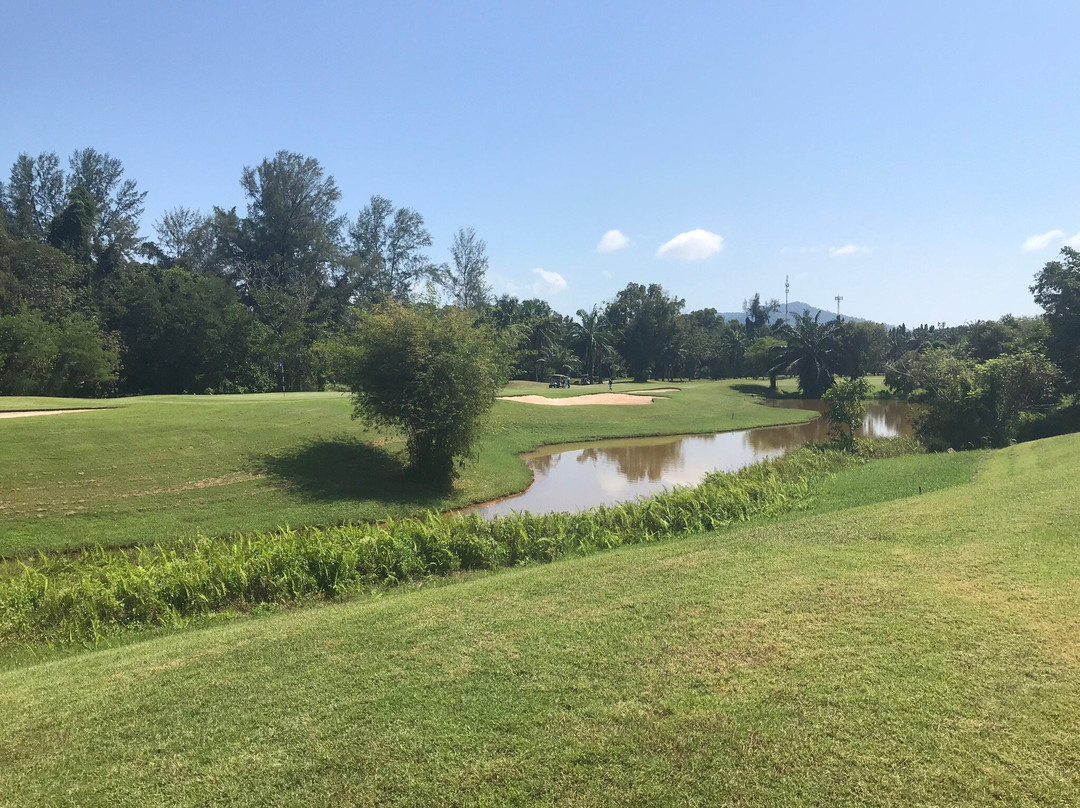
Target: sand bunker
(577, 401)
(29, 413)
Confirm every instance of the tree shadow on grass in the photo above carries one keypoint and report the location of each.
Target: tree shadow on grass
(348, 469)
(762, 389)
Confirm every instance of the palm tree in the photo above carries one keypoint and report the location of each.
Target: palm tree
(561, 359)
(544, 332)
(591, 336)
(733, 349)
(811, 352)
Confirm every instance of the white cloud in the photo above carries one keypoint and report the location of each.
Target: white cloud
(1041, 241)
(692, 246)
(548, 283)
(607, 274)
(612, 240)
(848, 249)
(1073, 241)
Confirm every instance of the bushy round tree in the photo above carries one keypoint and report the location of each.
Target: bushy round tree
(846, 401)
(432, 373)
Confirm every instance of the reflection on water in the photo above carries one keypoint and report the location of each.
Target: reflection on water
(613, 471)
(884, 419)
(541, 464)
(637, 462)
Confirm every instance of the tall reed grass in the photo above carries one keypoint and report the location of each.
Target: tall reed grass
(83, 598)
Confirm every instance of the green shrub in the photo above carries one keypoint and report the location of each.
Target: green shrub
(1059, 421)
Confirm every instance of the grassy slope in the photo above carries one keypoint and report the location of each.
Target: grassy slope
(159, 467)
(925, 651)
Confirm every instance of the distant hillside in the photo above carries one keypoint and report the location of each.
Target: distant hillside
(796, 307)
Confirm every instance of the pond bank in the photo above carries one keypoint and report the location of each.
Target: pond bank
(573, 477)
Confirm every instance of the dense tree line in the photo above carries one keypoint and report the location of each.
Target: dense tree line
(224, 301)
(255, 300)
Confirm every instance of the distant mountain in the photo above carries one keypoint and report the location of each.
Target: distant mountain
(796, 307)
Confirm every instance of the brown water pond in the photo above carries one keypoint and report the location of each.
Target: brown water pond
(574, 477)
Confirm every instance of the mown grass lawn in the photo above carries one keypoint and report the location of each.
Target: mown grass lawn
(924, 651)
(156, 468)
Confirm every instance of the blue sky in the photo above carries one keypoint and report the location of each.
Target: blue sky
(902, 155)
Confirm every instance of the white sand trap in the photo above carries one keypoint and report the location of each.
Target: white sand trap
(29, 413)
(577, 401)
